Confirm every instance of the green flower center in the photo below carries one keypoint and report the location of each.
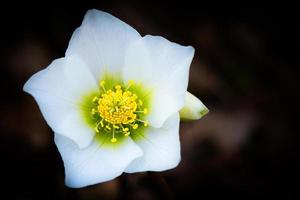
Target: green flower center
(118, 110)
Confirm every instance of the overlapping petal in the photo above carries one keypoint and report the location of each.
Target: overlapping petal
(58, 90)
(95, 163)
(161, 147)
(101, 41)
(164, 67)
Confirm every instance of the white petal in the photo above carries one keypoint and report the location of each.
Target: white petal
(101, 41)
(58, 90)
(193, 108)
(161, 147)
(164, 67)
(94, 164)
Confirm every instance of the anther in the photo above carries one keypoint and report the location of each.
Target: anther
(125, 129)
(102, 85)
(95, 99)
(146, 123)
(145, 110)
(94, 111)
(116, 127)
(101, 123)
(135, 126)
(127, 134)
(118, 87)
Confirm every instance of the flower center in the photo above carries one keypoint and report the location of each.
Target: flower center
(118, 107)
(118, 110)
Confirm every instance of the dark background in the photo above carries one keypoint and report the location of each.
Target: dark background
(245, 70)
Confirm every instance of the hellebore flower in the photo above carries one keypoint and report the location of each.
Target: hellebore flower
(113, 101)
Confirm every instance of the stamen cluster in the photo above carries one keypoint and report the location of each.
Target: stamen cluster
(118, 110)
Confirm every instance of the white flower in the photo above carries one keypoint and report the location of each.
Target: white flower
(113, 101)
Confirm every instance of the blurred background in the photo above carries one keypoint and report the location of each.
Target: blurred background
(245, 70)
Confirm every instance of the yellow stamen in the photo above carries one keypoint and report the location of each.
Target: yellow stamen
(127, 134)
(95, 99)
(101, 123)
(145, 110)
(135, 126)
(146, 123)
(118, 87)
(102, 85)
(116, 127)
(125, 129)
(94, 111)
(118, 109)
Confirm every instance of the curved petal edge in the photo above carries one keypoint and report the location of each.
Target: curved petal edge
(95, 163)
